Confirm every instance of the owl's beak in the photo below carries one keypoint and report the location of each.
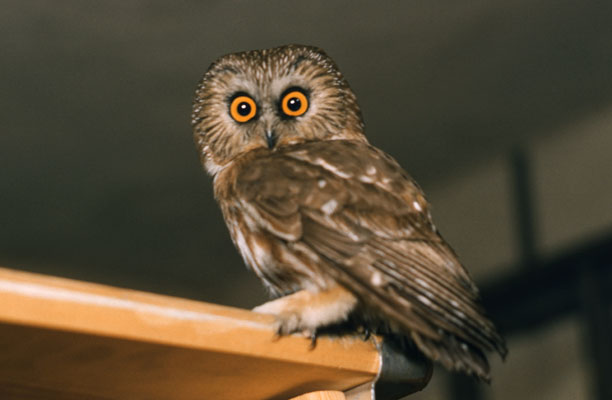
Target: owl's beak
(271, 139)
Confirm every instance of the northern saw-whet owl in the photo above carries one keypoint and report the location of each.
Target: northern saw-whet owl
(333, 226)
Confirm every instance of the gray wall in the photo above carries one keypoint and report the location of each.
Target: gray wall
(99, 179)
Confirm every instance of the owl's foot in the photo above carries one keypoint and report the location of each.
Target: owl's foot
(306, 312)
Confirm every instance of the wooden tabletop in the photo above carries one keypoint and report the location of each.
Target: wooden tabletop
(63, 339)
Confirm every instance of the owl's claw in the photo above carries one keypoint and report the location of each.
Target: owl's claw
(286, 324)
(366, 334)
(313, 339)
(278, 332)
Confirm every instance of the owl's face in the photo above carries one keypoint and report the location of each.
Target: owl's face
(269, 99)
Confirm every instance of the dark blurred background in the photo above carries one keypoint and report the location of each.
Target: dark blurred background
(502, 111)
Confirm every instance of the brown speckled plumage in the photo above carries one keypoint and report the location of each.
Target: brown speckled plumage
(320, 210)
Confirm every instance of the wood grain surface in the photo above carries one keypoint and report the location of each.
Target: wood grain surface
(63, 339)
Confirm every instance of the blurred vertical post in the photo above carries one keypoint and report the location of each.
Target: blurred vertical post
(597, 317)
(524, 210)
(461, 386)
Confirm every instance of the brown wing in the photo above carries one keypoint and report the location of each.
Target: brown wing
(368, 224)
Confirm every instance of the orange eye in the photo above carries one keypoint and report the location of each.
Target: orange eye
(294, 103)
(243, 108)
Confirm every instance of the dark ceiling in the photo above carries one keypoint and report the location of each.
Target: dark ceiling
(99, 177)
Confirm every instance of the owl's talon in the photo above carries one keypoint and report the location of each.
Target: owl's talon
(313, 339)
(286, 324)
(278, 332)
(366, 334)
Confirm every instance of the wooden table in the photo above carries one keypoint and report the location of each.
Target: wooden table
(63, 339)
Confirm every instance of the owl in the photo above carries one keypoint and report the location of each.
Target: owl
(334, 227)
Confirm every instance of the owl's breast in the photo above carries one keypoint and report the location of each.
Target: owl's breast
(283, 266)
(265, 224)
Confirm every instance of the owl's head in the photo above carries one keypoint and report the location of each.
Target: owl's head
(270, 99)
